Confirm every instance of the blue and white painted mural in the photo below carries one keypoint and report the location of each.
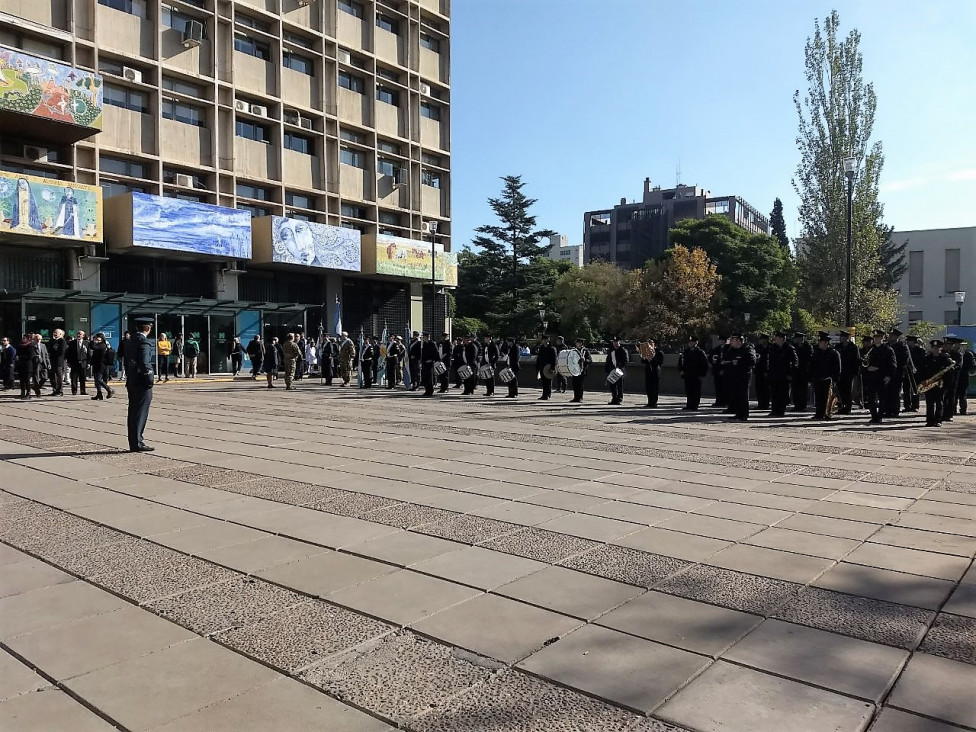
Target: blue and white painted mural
(294, 241)
(187, 226)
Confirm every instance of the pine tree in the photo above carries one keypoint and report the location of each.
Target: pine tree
(778, 224)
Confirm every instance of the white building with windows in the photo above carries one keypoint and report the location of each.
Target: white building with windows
(562, 251)
(941, 262)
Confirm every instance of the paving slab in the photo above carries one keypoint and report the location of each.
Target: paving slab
(728, 698)
(268, 551)
(962, 601)
(16, 678)
(622, 564)
(590, 527)
(842, 528)
(631, 672)
(716, 528)
(541, 545)
(323, 574)
(737, 590)
(481, 568)
(883, 584)
(925, 540)
(49, 709)
(29, 574)
(952, 636)
(569, 592)
(404, 548)
(335, 531)
(802, 542)
(403, 597)
(938, 688)
(676, 621)
(143, 582)
(912, 561)
(770, 563)
(894, 720)
(673, 544)
(208, 536)
(51, 606)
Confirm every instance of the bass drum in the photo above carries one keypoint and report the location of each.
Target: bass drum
(465, 372)
(506, 375)
(614, 376)
(486, 372)
(569, 363)
(439, 368)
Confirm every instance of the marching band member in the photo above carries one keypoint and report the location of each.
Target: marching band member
(652, 370)
(547, 357)
(578, 381)
(903, 359)
(783, 363)
(510, 356)
(917, 354)
(428, 355)
(825, 370)
(881, 367)
(457, 360)
(489, 356)
(762, 372)
(801, 377)
(617, 358)
(394, 357)
(560, 380)
(935, 361)
(692, 366)
(950, 384)
(715, 359)
(962, 378)
(470, 355)
(850, 364)
(740, 358)
(446, 350)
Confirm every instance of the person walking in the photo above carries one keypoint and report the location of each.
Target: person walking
(271, 362)
(255, 352)
(43, 362)
(176, 357)
(139, 383)
(120, 355)
(57, 352)
(236, 356)
(77, 355)
(428, 356)
(653, 359)
(164, 348)
(8, 357)
(102, 358)
(509, 356)
(692, 367)
(617, 358)
(580, 380)
(545, 364)
(25, 366)
(190, 356)
(292, 354)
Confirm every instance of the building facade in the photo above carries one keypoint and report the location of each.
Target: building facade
(629, 234)
(561, 250)
(941, 262)
(229, 166)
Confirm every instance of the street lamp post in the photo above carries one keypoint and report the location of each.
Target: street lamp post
(542, 318)
(960, 299)
(747, 317)
(850, 166)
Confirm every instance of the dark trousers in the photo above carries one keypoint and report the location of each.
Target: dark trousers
(513, 385)
(256, 363)
(78, 379)
(546, 387)
(737, 393)
(366, 368)
(821, 390)
(933, 407)
(100, 377)
(427, 377)
(721, 400)
(392, 365)
(236, 361)
(138, 413)
(617, 391)
(578, 387)
(893, 406)
(27, 382)
(652, 383)
(490, 386)
(779, 395)
(845, 393)
(762, 390)
(949, 396)
(961, 391)
(874, 396)
(414, 366)
(801, 387)
(693, 392)
(470, 383)
(57, 378)
(445, 380)
(911, 394)
(560, 383)
(328, 372)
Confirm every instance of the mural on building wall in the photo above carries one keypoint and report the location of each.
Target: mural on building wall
(188, 226)
(401, 257)
(46, 207)
(294, 241)
(44, 88)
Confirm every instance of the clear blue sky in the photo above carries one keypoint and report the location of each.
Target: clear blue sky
(584, 98)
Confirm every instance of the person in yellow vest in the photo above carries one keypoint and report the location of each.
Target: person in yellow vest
(163, 349)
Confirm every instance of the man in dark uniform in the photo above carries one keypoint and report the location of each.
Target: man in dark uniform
(547, 357)
(903, 358)
(715, 357)
(394, 357)
(850, 364)
(560, 380)
(329, 357)
(255, 352)
(933, 362)
(139, 379)
(950, 383)
(917, 354)
(762, 372)
(881, 369)
(457, 360)
(445, 348)
(740, 359)
(801, 379)
(471, 358)
(962, 378)
(825, 370)
(867, 343)
(414, 351)
(509, 356)
(580, 381)
(783, 363)
(57, 350)
(490, 356)
(692, 366)
(617, 358)
(428, 355)
(652, 373)
(77, 354)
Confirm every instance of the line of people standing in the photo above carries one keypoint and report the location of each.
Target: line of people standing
(32, 364)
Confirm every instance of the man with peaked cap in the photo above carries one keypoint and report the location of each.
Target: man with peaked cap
(617, 358)
(652, 373)
(825, 370)
(509, 356)
(903, 358)
(428, 355)
(801, 379)
(782, 367)
(546, 357)
(446, 349)
(761, 372)
(933, 362)
(139, 383)
(950, 383)
(394, 360)
(739, 361)
(867, 343)
(715, 356)
(489, 356)
(692, 367)
(560, 381)
(579, 381)
(917, 354)
(967, 369)
(414, 349)
(881, 369)
(850, 365)
(471, 358)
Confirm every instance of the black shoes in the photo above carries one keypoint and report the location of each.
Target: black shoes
(142, 448)
(97, 398)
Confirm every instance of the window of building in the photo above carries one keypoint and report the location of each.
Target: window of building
(188, 114)
(298, 40)
(24, 170)
(388, 147)
(388, 96)
(353, 212)
(120, 166)
(41, 48)
(351, 136)
(952, 263)
(387, 23)
(430, 43)
(182, 87)
(178, 21)
(300, 143)
(297, 62)
(354, 227)
(119, 96)
(110, 66)
(388, 232)
(245, 190)
(429, 159)
(717, 207)
(385, 166)
(353, 8)
(951, 317)
(252, 131)
(132, 7)
(351, 82)
(298, 199)
(430, 111)
(115, 188)
(299, 215)
(255, 211)
(252, 47)
(914, 316)
(389, 217)
(348, 156)
(248, 22)
(387, 74)
(430, 178)
(915, 272)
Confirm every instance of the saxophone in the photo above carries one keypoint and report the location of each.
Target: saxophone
(936, 379)
(866, 358)
(832, 400)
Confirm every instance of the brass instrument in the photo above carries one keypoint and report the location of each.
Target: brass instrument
(936, 379)
(866, 358)
(832, 400)
(647, 351)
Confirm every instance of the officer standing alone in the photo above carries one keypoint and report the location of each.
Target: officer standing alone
(139, 383)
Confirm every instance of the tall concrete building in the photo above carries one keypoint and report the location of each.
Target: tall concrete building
(229, 166)
(560, 250)
(631, 233)
(941, 262)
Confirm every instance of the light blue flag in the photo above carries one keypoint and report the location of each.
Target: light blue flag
(406, 361)
(359, 370)
(338, 317)
(381, 374)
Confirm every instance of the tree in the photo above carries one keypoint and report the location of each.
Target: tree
(778, 224)
(590, 300)
(758, 275)
(926, 331)
(836, 119)
(671, 297)
(893, 261)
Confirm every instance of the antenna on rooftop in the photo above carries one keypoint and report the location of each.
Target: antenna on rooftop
(677, 174)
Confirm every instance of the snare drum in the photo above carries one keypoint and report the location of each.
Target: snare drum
(506, 375)
(465, 372)
(486, 372)
(569, 363)
(614, 376)
(439, 368)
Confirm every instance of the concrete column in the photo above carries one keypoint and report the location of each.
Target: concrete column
(416, 306)
(225, 282)
(84, 273)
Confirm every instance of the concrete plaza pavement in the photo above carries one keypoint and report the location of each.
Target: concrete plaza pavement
(344, 560)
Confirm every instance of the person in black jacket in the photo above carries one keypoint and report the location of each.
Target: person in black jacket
(903, 359)
(740, 359)
(933, 362)
(578, 381)
(881, 368)
(236, 356)
(761, 372)
(617, 358)
(715, 357)
(428, 355)
(102, 358)
(270, 362)
(962, 378)
(394, 357)
(472, 356)
(25, 366)
(329, 357)
(950, 384)
(801, 379)
(489, 356)
(414, 351)
(509, 355)
(457, 361)
(692, 367)
(825, 370)
(446, 349)
(547, 357)
(57, 351)
(783, 363)
(76, 355)
(850, 364)
(139, 383)
(8, 357)
(917, 354)
(652, 372)
(255, 352)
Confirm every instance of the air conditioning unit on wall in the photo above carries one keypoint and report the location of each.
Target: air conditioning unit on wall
(425, 89)
(185, 180)
(192, 34)
(344, 57)
(241, 106)
(37, 154)
(257, 109)
(132, 74)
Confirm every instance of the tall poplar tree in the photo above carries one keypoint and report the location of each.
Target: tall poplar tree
(777, 224)
(836, 118)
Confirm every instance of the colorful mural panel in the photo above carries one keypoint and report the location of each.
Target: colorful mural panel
(53, 208)
(294, 241)
(188, 226)
(44, 88)
(399, 257)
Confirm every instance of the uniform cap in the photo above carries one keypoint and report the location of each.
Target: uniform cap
(911, 339)
(936, 342)
(144, 321)
(894, 332)
(798, 334)
(763, 335)
(779, 334)
(823, 335)
(953, 340)
(844, 333)
(736, 335)
(878, 332)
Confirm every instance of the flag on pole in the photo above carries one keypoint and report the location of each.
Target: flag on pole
(359, 369)
(406, 361)
(384, 349)
(338, 317)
